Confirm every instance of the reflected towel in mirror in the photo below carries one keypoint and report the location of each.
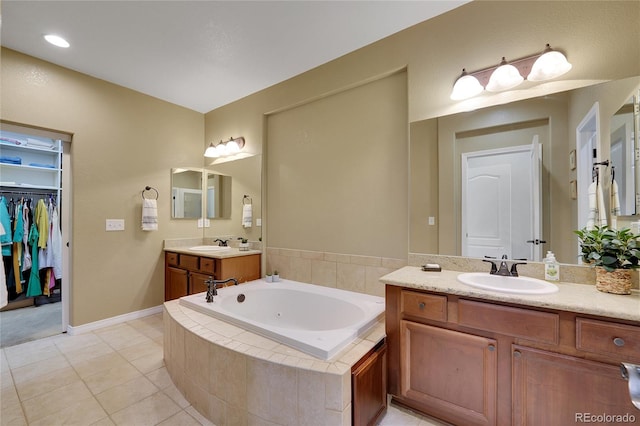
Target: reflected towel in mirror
(614, 204)
(597, 211)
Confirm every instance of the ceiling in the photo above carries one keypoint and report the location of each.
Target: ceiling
(204, 54)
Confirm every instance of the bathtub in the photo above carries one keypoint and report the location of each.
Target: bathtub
(320, 321)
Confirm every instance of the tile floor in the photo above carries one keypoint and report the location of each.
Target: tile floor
(111, 376)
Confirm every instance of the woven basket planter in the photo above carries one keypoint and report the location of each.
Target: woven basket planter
(617, 281)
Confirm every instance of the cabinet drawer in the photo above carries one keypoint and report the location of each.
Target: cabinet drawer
(172, 259)
(525, 323)
(189, 262)
(608, 337)
(206, 265)
(427, 306)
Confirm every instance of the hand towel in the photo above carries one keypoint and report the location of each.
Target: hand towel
(247, 215)
(149, 215)
(597, 213)
(602, 211)
(614, 204)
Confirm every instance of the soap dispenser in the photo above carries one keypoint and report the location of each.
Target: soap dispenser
(551, 267)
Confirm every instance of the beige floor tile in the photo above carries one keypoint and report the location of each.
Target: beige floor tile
(172, 392)
(12, 416)
(83, 412)
(46, 383)
(31, 352)
(121, 396)
(90, 367)
(107, 379)
(194, 413)
(4, 364)
(45, 405)
(77, 356)
(140, 350)
(150, 411)
(6, 380)
(121, 336)
(149, 363)
(106, 421)
(160, 377)
(79, 341)
(180, 419)
(31, 371)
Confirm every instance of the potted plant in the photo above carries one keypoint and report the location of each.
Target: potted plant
(244, 244)
(276, 276)
(268, 277)
(614, 253)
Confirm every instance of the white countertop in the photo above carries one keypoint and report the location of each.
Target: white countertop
(579, 298)
(231, 252)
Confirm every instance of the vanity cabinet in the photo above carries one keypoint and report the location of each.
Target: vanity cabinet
(186, 273)
(477, 362)
(369, 386)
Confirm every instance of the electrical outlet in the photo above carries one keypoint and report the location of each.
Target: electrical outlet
(115, 225)
(258, 222)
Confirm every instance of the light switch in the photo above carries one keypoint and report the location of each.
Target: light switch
(432, 220)
(258, 222)
(115, 225)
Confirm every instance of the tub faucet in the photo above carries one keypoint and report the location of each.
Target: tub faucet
(631, 372)
(212, 287)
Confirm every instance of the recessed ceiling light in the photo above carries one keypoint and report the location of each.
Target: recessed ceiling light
(56, 40)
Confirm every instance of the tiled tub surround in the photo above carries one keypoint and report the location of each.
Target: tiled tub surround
(347, 272)
(235, 377)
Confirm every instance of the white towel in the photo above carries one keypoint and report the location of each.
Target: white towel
(597, 211)
(247, 215)
(614, 204)
(149, 215)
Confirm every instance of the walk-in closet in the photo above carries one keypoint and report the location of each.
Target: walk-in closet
(31, 235)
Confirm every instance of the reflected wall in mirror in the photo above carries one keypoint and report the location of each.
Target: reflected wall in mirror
(624, 141)
(218, 190)
(238, 178)
(186, 193)
(473, 155)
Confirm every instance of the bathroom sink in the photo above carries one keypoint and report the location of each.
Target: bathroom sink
(515, 285)
(209, 248)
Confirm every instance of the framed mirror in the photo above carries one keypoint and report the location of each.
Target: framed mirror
(186, 193)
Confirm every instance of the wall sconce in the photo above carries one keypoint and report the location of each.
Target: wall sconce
(223, 149)
(547, 65)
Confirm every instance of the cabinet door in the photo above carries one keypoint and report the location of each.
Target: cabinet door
(369, 388)
(242, 268)
(553, 389)
(453, 375)
(175, 283)
(197, 282)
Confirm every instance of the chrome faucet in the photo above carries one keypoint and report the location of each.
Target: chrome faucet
(631, 372)
(212, 287)
(504, 269)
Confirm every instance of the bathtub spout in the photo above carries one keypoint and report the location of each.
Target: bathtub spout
(212, 287)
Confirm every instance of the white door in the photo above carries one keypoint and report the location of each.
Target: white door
(501, 207)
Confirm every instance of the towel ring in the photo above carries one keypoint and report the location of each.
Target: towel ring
(148, 188)
(246, 197)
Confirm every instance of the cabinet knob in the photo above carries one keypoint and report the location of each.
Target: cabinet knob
(421, 305)
(618, 341)
(491, 348)
(517, 354)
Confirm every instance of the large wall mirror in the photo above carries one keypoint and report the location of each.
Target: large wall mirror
(504, 179)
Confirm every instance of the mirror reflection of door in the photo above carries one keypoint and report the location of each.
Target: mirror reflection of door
(501, 203)
(622, 156)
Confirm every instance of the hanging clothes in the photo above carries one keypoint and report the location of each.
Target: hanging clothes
(34, 286)
(56, 244)
(41, 220)
(4, 294)
(5, 219)
(18, 234)
(26, 258)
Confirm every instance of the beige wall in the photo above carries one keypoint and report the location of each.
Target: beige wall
(122, 141)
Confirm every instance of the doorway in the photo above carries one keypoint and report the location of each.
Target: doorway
(501, 202)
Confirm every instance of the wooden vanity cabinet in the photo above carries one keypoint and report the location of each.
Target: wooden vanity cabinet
(475, 362)
(369, 386)
(186, 273)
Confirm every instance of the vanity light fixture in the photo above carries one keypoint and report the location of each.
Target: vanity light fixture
(544, 66)
(56, 40)
(223, 149)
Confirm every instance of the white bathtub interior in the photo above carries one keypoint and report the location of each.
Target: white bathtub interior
(317, 320)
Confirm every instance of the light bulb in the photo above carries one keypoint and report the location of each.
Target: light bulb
(505, 77)
(467, 86)
(550, 65)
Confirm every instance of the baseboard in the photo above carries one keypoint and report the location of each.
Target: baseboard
(85, 328)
